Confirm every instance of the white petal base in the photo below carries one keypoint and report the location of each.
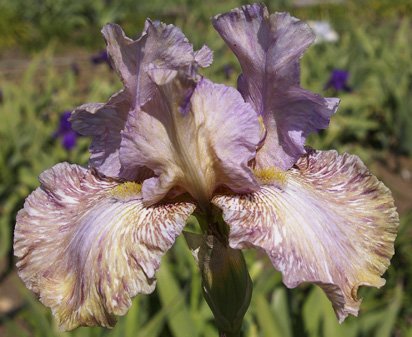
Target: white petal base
(332, 223)
(87, 246)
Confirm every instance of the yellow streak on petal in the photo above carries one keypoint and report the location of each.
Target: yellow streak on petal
(262, 126)
(126, 190)
(270, 175)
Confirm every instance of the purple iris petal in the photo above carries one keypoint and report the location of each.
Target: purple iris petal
(101, 57)
(269, 48)
(64, 125)
(65, 132)
(69, 140)
(338, 80)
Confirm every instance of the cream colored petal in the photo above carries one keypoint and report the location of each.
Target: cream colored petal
(330, 222)
(87, 246)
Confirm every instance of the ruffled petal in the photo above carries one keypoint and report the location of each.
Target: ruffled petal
(269, 49)
(104, 122)
(204, 56)
(329, 222)
(194, 138)
(86, 246)
(160, 46)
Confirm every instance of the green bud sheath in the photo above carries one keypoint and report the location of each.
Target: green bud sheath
(226, 283)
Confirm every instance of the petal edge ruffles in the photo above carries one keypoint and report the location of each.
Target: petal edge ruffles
(161, 46)
(86, 246)
(269, 48)
(332, 223)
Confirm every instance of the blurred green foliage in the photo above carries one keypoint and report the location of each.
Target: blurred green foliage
(374, 119)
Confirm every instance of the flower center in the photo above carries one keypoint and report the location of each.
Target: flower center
(126, 190)
(270, 175)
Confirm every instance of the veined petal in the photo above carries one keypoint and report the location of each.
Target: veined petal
(193, 138)
(331, 223)
(204, 56)
(160, 46)
(87, 246)
(269, 49)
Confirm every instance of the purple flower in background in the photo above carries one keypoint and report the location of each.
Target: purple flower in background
(101, 57)
(338, 80)
(65, 132)
(172, 143)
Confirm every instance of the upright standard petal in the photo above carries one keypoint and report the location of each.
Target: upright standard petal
(329, 222)
(269, 49)
(194, 138)
(160, 45)
(87, 246)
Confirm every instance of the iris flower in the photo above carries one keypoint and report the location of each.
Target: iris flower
(338, 81)
(67, 136)
(172, 142)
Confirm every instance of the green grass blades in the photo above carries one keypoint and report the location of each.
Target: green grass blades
(373, 121)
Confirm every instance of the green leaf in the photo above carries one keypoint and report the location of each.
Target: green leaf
(268, 323)
(282, 312)
(388, 323)
(178, 317)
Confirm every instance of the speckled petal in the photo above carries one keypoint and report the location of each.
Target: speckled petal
(269, 49)
(86, 246)
(330, 222)
(193, 137)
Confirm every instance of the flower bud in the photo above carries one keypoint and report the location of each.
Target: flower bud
(226, 284)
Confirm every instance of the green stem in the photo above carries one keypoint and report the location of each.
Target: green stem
(225, 334)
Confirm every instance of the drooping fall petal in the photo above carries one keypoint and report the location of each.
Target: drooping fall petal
(87, 246)
(329, 221)
(160, 45)
(194, 137)
(269, 49)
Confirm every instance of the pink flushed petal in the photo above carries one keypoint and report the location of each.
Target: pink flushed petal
(195, 139)
(330, 222)
(269, 49)
(126, 56)
(159, 46)
(86, 246)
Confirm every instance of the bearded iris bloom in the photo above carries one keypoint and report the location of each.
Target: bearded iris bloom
(172, 143)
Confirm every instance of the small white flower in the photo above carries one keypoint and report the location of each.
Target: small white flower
(324, 31)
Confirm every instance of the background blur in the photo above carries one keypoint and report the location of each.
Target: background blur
(52, 59)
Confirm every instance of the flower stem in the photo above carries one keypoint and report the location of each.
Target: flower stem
(225, 334)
